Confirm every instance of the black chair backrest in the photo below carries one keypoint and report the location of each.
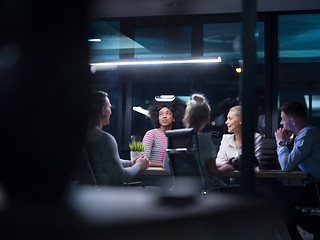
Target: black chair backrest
(269, 157)
(183, 154)
(88, 175)
(83, 172)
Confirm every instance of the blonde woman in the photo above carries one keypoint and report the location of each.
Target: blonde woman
(231, 144)
(197, 116)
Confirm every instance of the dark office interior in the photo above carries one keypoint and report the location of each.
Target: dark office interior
(46, 74)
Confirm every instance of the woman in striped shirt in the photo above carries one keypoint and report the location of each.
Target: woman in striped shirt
(164, 116)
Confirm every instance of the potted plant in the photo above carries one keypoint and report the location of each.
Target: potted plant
(136, 149)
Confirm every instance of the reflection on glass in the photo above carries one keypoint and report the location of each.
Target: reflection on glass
(315, 104)
(224, 39)
(297, 34)
(111, 40)
(163, 42)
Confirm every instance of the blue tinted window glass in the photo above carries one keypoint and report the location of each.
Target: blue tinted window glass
(304, 92)
(313, 103)
(161, 42)
(297, 38)
(106, 40)
(299, 59)
(224, 40)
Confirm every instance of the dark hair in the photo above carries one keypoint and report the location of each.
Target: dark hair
(97, 102)
(175, 106)
(294, 109)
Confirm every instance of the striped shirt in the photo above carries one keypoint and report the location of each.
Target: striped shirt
(155, 144)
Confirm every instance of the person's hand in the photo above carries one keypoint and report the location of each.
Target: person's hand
(219, 165)
(282, 135)
(143, 161)
(134, 161)
(226, 168)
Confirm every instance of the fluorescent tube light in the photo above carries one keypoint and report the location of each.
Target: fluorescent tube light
(94, 40)
(153, 62)
(141, 110)
(164, 98)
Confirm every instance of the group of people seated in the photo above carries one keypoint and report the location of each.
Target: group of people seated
(166, 114)
(110, 169)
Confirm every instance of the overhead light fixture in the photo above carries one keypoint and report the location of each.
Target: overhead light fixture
(113, 64)
(141, 110)
(94, 40)
(162, 61)
(164, 98)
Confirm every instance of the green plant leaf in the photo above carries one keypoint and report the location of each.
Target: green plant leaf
(136, 146)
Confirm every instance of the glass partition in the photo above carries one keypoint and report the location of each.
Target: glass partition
(297, 38)
(299, 61)
(105, 41)
(163, 42)
(132, 88)
(224, 40)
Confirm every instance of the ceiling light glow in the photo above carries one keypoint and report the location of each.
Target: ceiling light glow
(164, 98)
(238, 70)
(154, 62)
(141, 110)
(94, 40)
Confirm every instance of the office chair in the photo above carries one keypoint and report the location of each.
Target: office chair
(85, 175)
(269, 157)
(309, 216)
(184, 162)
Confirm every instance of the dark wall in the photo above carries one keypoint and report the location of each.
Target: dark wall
(44, 84)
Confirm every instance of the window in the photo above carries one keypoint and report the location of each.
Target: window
(106, 41)
(163, 42)
(138, 85)
(299, 61)
(297, 38)
(224, 40)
